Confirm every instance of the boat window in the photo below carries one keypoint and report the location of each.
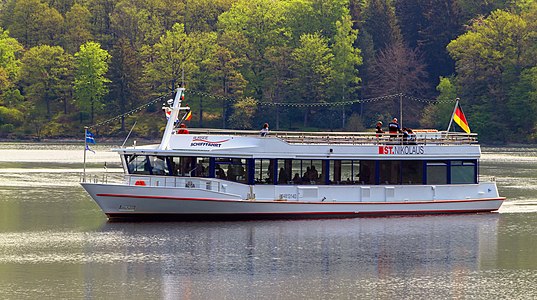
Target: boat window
(183, 165)
(286, 168)
(264, 171)
(298, 173)
(412, 172)
(349, 174)
(312, 172)
(344, 172)
(463, 172)
(304, 172)
(232, 169)
(367, 172)
(390, 172)
(437, 172)
(159, 165)
(138, 164)
(201, 167)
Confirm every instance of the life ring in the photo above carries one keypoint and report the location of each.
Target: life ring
(140, 182)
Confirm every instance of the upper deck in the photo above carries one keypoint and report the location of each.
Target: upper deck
(428, 144)
(422, 136)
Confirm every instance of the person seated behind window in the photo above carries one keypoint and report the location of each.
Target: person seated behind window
(282, 176)
(297, 179)
(220, 173)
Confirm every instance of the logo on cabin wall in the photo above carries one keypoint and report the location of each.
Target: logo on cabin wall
(402, 150)
(203, 141)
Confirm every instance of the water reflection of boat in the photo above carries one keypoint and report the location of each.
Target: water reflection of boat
(216, 174)
(216, 257)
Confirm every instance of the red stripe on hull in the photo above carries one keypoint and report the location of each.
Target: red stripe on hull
(294, 202)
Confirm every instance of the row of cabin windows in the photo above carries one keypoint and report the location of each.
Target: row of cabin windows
(303, 172)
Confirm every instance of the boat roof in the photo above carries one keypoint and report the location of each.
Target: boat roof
(428, 144)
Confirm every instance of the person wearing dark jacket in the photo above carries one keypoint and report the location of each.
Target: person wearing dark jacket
(394, 128)
(379, 127)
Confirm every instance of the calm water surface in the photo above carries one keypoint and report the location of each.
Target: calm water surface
(55, 243)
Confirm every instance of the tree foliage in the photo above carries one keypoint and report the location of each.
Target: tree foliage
(490, 60)
(91, 64)
(45, 78)
(285, 54)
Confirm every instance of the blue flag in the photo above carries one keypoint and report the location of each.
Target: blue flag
(89, 138)
(88, 148)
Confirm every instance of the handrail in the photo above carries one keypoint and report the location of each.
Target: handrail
(352, 138)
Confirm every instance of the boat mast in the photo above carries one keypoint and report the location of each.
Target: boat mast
(173, 117)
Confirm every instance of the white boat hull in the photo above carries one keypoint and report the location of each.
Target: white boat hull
(127, 201)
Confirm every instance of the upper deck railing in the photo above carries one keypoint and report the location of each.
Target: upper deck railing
(424, 136)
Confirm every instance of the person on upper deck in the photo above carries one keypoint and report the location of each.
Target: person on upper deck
(182, 129)
(394, 128)
(378, 127)
(265, 130)
(411, 136)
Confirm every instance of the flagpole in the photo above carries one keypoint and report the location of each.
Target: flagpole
(454, 109)
(85, 147)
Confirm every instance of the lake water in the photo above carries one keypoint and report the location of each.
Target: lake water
(55, 243)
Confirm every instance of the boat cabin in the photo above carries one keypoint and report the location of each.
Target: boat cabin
(284, 158)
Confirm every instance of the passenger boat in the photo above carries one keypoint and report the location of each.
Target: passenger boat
(210, 174)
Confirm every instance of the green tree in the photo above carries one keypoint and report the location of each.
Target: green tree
(490, 59)
(380, 22)
(33, 23)
(126, 86)
(310, 16)
(346, 61)
(278, 75)
(522, 105)
(45, 77)
(312, 70)
(429, 26)
(10, 65)
(91, 65)
(202, 15)
(50, 22)
(9, 118)
(437, 115)
(169, 59)
(471, 9)
(132, 21)
(77, 28)
(101, 24)
(257, 25)
(243, 114)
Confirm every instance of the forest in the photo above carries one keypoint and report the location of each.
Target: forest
(331, 65)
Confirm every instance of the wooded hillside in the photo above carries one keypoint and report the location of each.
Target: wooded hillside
(296, 64)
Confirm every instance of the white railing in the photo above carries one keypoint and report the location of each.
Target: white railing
(94, 178)
(356, 138)
(172, 181)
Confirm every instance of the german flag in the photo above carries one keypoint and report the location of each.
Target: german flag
(460, 119)
(189, 116)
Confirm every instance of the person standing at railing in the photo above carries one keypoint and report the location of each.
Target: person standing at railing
(394, 128)
(379, 128)
(265, 130)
